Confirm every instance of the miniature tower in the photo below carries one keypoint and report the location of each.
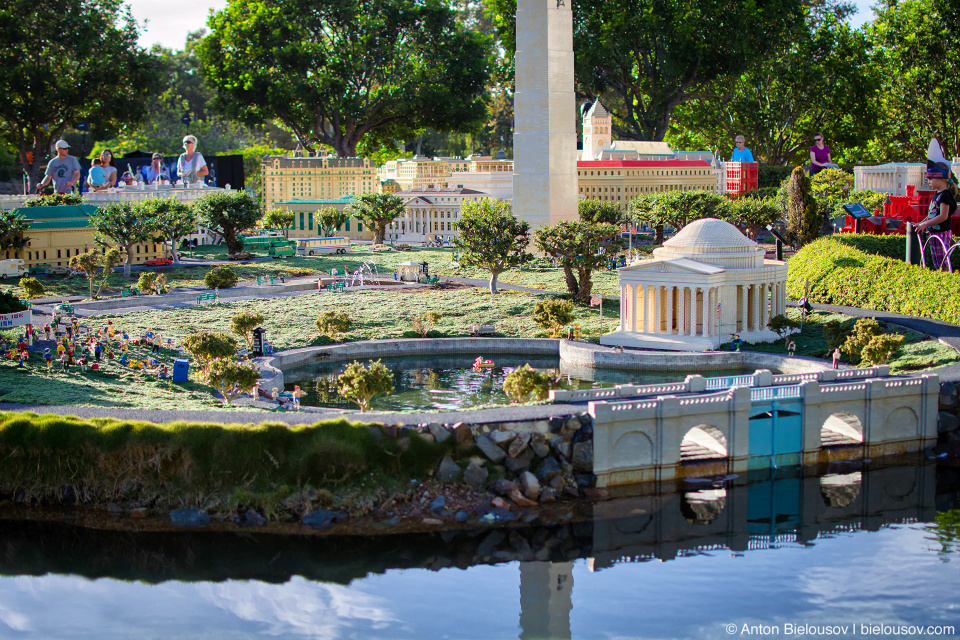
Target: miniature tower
(596, 130)
(546, 600)
(545, 137)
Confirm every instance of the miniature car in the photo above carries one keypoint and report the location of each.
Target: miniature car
(157, 262)
(57, 270)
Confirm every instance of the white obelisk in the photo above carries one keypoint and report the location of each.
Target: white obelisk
(544, 134)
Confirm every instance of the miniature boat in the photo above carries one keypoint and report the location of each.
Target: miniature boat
(480, 363)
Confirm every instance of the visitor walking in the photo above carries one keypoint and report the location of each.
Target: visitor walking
(63, 171)
(819, 156)
(740, 151)
(942, 206)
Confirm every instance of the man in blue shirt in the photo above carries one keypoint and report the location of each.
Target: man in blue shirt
(741, 153)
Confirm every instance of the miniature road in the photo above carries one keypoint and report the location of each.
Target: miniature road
(945, 332)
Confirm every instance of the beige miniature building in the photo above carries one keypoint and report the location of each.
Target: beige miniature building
(620, 181)
(56, 234)
(303, 177)
(703, 285)
(408, 271)
(304, 218)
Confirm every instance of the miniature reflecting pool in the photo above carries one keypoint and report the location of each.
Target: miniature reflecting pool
(450, 383)
(867, 553)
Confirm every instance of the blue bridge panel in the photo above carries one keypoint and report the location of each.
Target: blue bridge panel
(775, 432)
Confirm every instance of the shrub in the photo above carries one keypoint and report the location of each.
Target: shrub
(230, 379)
(881, 348)
(836, 332)
(32, 287)
(840, 274)
(362, 384)
(10, 303)
(771, 177)
(243, 324)
(553, 314)
(803, 219)
(332, 323)
(782, 325)
(526, 383)
(423, 324)
(863, 332)
(893, 246)
(206, 346)
(147, 281)
(221, 277)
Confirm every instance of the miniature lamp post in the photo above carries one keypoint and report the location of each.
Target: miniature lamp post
(259, 338)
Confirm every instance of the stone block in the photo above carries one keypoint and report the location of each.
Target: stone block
(548, 495)
(475, 476)
(503, 487)
(948, 422)
(518, 444)
(502, 437)
(529, 485)
(948, 396)
(540, 447)
(573, 424)
(448, 471)
(549, 468)
(561, 445)
(521, 463)
(521, 500)
(490, 449)
(583, 457)
(425, 435)
(439, 432)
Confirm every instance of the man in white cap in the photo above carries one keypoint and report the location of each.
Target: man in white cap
(63, 171)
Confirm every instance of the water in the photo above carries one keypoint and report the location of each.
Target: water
(449, 383)
(852, 547)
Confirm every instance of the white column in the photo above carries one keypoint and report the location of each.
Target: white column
(668, 329)
(681, 311)
(657, 290)
(704, 311)
(744, 292)
(755, 307)
(625, 318)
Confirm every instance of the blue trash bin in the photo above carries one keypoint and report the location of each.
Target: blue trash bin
(180, 370)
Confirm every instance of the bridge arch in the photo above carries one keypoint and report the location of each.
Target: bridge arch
(703, 442)
(839, 490)
(841, 429)
(901, 423)
(704, 506)
(633, 449)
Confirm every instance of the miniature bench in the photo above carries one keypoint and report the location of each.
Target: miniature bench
(335, 286)
(483, 330)
(264, 279)
(206, 296)
(129, 292)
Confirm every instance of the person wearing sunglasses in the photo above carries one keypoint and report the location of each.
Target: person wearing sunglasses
(740, 151)
(157, 170)
(819, 156)
(191, 167)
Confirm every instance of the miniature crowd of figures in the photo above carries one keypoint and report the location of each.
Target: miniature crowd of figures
(78, 345)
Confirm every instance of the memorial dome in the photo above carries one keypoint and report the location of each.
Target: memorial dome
(712, 242)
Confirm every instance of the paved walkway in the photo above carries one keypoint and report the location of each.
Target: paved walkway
(945, 332)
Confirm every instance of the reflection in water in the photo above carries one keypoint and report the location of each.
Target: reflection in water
(825, 566)
(446, 383)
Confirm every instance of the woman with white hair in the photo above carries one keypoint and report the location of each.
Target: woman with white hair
(191, 167)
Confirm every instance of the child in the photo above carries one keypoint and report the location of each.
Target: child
(98, 177)
(942, 206)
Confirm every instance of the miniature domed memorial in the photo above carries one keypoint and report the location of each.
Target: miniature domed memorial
(703, 285)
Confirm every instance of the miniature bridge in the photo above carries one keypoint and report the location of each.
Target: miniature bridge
(737, 423)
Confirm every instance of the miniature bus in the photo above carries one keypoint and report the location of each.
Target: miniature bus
(317, 246)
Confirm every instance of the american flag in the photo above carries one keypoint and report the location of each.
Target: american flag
(718, 311)
(595, 300)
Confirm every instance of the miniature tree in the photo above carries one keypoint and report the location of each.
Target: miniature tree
(881, 348)
(553, 314)
(222, 277)
(580, 247)
(12, 227)
(362, 384)
(491, 238)
(229, 378)
(377, 210)
(31, 287)
(172, 218)
(277, 219)
(123, 225)
(783, 326)
(329, 221)
(206, 346)
(864, 331)
(836, 332)
(526, 383)
(10, 303)
(753, 215)
(147, 281)
(332, 323)
(243, 324)
(228, 214)
(94, 260)
(423, 324)
(803, 220)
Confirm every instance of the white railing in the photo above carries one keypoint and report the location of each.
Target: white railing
(774, 393)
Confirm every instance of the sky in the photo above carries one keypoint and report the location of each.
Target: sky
(169, 22)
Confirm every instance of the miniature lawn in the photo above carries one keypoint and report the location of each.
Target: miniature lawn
(919, 351)
(290, 324)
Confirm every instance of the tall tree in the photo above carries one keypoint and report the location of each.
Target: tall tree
(377, 210)
(335, 72)
(172, 219)
(920, 67)
(65, 62)
(580, 248)
(12, 228)
(122, 225)
(490, 237)
(824, 78)
(228, 214)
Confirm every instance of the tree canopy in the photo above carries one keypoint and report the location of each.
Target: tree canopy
(65, 62)
(171, 218)
(228, 214)
(122, 225)
(12, 228)
(490, 237)
(335, 72)
(377, 210)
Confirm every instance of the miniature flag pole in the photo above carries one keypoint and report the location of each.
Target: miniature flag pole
(598, 300)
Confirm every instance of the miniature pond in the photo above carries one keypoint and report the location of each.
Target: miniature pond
(450, 383)
(867, 552)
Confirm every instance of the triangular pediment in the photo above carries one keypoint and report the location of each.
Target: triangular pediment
(679, 265)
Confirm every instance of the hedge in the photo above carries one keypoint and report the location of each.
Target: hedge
(841, 274)
(887, 246)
